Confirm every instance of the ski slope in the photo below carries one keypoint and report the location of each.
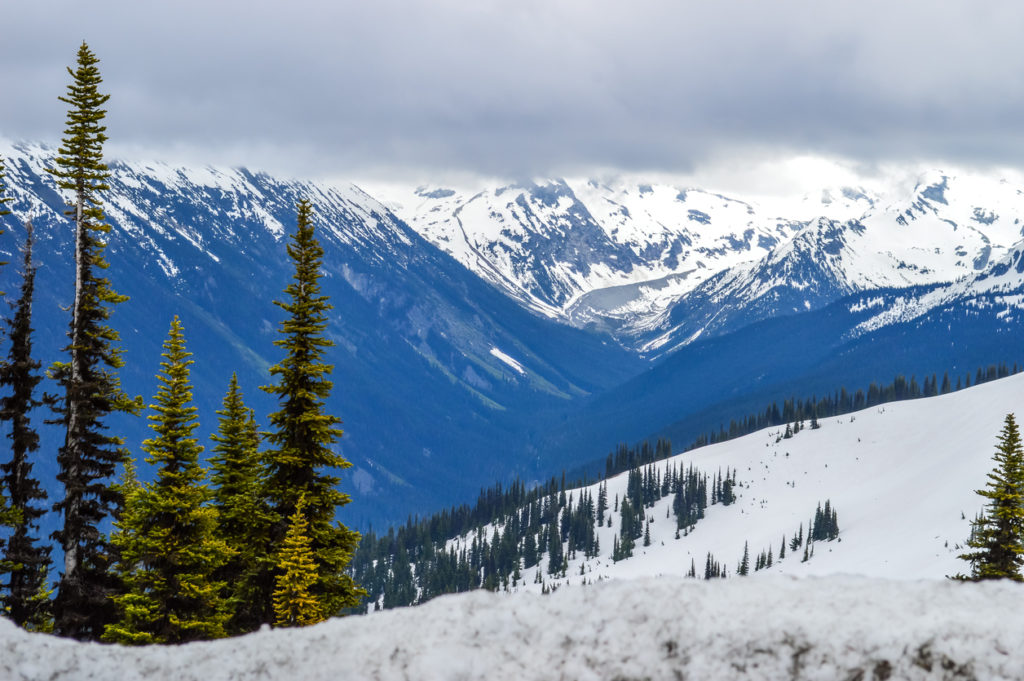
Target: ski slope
(901, 476)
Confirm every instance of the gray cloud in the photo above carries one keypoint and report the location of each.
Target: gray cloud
(526, 87)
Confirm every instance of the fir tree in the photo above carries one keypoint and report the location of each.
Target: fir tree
(244, 519)
(89, 456)
(136, 610)
(744, 568)
(294, 603)
(302, 432)
(167, 535)
(25, 595)
(998, 535)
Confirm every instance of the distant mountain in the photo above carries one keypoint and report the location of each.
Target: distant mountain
(438, 375)
(592, 253)
(660, 266)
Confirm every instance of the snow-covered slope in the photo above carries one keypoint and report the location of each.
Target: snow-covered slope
(661, 265)
(901, 477)
(999, 286)
(838, 628)
(550, 243)
(946, 229)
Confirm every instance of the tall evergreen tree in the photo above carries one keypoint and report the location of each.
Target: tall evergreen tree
(244, 519)
(167, 534)
(302, 432)
(24, 596)
(92, 390)
(998, 534)
(294, 604)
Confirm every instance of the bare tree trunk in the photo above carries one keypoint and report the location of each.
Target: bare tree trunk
(71, 441)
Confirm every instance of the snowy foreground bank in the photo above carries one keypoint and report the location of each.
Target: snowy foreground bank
(666, 628)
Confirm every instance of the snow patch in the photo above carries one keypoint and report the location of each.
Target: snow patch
(508, 360)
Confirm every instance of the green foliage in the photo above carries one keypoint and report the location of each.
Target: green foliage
(825, 525)
(243, 515)
(24, 596)
(166, 536)
(997, 536)
(302, 432)
(92, 390)
(294, 603)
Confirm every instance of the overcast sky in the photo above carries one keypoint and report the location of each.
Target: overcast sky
(381, 88)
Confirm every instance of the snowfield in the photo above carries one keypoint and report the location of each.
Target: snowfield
(667, 628)
(901, 476)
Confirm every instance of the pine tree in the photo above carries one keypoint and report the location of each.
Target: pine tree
(167, 534)
(998, 535)
(25, 595)
(556, 558)
(89, 456)
(294, 603)
(244, 519)
(302, 432)
(744, 568)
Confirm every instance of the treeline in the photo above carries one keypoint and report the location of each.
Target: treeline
(555, 525)
(196, 553)
(406, 567)
(796, 411)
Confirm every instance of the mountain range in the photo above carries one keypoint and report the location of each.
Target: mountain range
(528, 328)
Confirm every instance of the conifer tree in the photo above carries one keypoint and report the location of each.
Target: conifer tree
(294, 603)
(744, 568)
(25, 596)
(998, 535)
(89, 455)
(167, 534)
(302, 432)
(244, 519)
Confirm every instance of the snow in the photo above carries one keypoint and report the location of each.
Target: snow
(836, 628)
(901, 476)
(508, 360)
(906, 226)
